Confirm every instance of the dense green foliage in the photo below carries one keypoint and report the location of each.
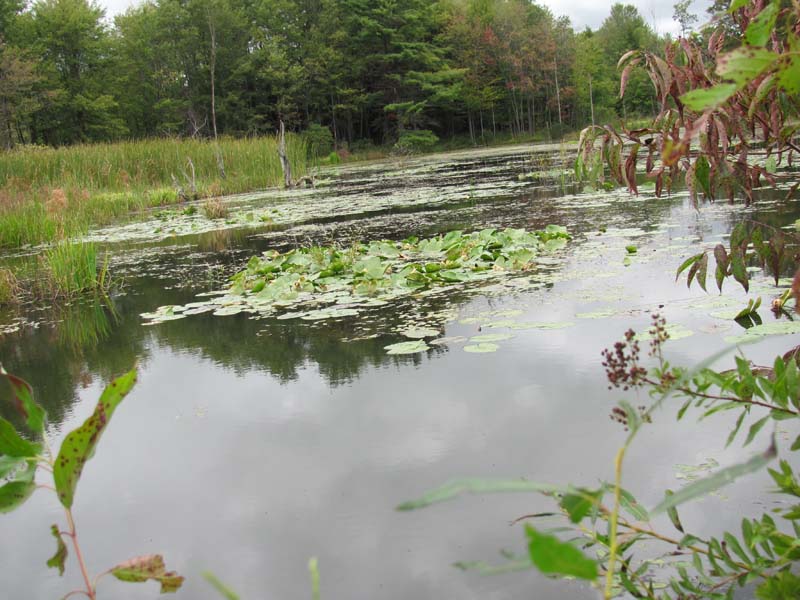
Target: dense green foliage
(365, 70)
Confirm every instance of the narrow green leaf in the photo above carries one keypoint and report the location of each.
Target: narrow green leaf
(721, 256)
(18, 393)
(12, 444)
(221, 588)
(672, 513)
(552, 556)
(480, 486)
(707, 98)
(739, 270)
(760, 29)
(735, 429)
(702, 175)
(687, 263)
(702, 271)
(59, 558)
(714, 482)
(737, 4)
(734, 545)
(149, 567)
(313, 571)
(80, 444)
(632, 506)
(755, 428)
(796, 444)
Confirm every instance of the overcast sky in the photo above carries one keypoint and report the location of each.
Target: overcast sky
(582, 13)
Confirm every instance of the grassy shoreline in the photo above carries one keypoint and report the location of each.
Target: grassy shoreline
(48, 194)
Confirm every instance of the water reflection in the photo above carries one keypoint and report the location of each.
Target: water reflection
(250, 445)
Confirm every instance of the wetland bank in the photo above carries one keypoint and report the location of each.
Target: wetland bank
(253, 442)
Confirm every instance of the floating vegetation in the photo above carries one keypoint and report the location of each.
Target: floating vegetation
(407, 347)
(482, 348)
(317, 283)
(758, 331)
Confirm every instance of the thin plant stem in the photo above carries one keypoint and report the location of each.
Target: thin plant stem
(612, 524)
(78, 555)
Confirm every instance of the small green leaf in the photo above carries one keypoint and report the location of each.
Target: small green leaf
(744, 64)
(687, 263)
(12, 444)
(714, 482)
(672, 513)
(59, 558)
(706, 98)
(18, 393)
(579, 504)
(144, 568)
(80, 444)
(14, 494)
(552, 556)
(760, 29)
(755, 428)
(739, 270)
(480, 486)
(702, 175)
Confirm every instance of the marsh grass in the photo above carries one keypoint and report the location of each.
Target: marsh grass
(214, 208)
(71, 269)
(9, 287)
(47, 194)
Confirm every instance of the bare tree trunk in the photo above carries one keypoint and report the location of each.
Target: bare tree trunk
(287, 168)
(558, 90)
(212, 64)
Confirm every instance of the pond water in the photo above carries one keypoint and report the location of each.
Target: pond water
(250, 445)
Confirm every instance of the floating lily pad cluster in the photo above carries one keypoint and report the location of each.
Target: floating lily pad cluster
(320, 283)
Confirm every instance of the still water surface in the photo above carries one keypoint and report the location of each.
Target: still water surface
(249, 446)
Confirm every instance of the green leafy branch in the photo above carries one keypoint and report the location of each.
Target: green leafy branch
(23, 453)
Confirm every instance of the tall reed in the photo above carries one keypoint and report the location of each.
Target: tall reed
(48, 193)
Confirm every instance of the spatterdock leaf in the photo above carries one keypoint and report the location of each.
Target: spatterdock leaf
(716, 481)
(59, 558)
(552, 556)
(18, 393)
(149, 567)
(79, 445)
(479, 486)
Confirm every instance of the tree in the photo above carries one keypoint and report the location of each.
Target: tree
(682, 15)
(72, 45)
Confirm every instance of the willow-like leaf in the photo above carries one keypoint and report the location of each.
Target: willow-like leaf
(480, 486)
(80, 444)
(716, 481)
(554, 557)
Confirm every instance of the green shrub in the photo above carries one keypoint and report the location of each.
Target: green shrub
(413, 142)
(319, 140)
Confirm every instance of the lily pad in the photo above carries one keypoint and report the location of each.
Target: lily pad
(407, 347)
(482, 348)
(420, 333)
(491, 337)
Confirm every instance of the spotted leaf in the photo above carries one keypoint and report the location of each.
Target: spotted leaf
(79, 445)
(146, 568)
